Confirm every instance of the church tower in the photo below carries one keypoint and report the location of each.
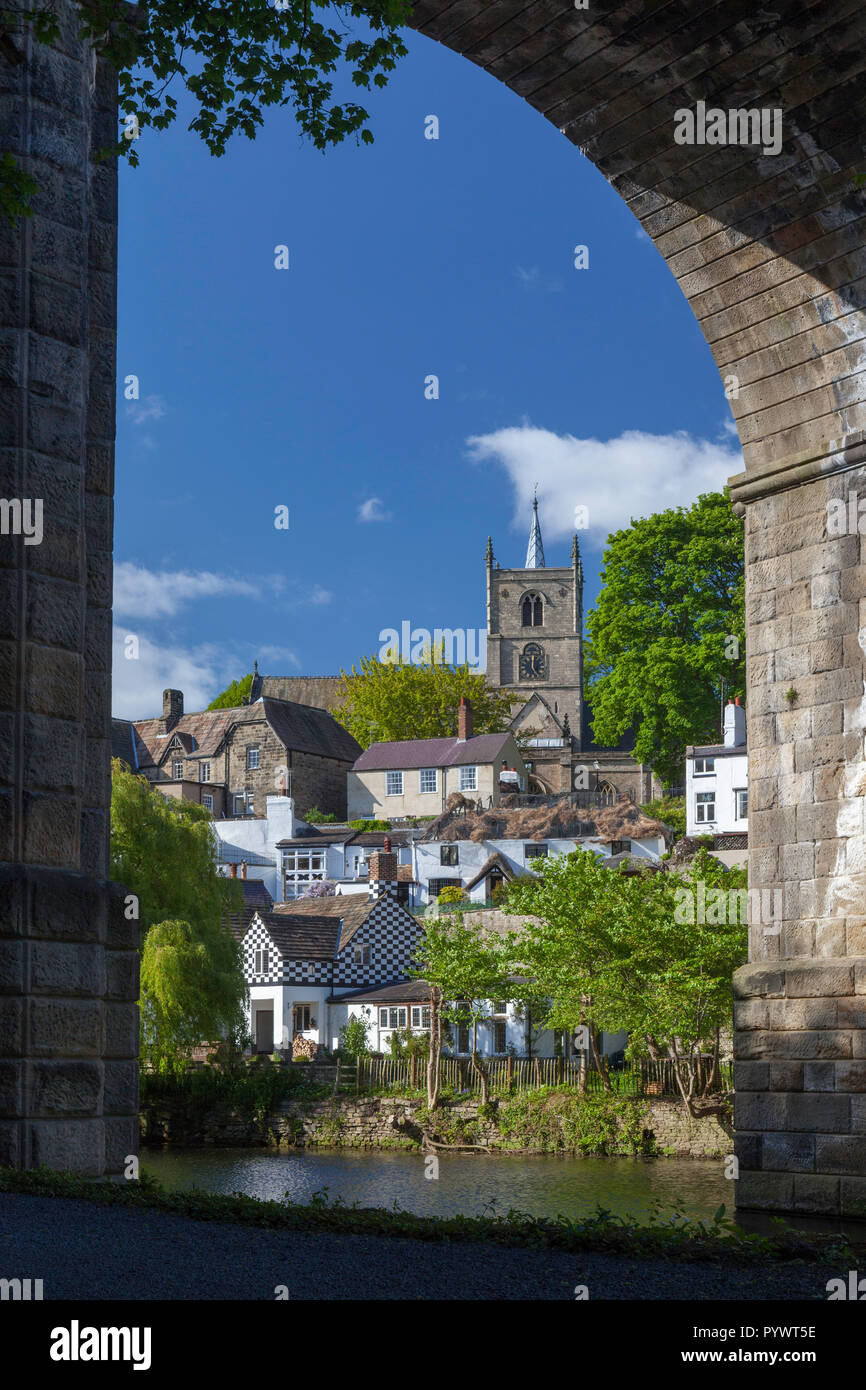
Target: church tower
(535, 646)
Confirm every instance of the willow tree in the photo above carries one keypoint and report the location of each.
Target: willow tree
(192, 984)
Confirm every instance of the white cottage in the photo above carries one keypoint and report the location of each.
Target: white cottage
(302, 957)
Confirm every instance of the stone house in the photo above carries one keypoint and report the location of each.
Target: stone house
(231, 760)
(416, 777)
(717, 789)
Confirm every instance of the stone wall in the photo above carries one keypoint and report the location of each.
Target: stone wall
(394, 1123)
(68, 953)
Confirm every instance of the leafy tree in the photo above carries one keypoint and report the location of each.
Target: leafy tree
(615, 951)
(235, 59)
(387, 701)
(235, 694)
(466, 967)
(163, 852)
(667, 636)
(192, 990)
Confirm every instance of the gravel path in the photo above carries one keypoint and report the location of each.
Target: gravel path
(83, 1250)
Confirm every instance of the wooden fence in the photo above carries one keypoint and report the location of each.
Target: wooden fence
(514, 1074)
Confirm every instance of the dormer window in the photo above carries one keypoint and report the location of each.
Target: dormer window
(531, 611)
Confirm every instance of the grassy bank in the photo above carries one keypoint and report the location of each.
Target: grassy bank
(669, 1236)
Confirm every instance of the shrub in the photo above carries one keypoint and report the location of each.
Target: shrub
(316, 817)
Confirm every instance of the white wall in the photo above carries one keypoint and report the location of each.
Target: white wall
(731, 773)
(472, 856)
(260, 835)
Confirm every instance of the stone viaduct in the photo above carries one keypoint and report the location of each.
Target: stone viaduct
(769, 250)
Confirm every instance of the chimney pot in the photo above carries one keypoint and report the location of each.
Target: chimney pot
(243, 868)
(464, 720)
(233, 870)
(172, 707)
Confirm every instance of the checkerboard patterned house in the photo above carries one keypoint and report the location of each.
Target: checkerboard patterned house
(301, 958)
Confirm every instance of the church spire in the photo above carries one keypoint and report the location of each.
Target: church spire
(535, 550)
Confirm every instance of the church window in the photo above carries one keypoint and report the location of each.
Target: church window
(532, 614)
(606, 794)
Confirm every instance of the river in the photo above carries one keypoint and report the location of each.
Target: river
(546, 1185)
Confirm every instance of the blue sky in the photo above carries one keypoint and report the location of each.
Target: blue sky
(305, 388)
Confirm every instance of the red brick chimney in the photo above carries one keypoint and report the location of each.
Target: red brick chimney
(382, 878)
(464, 720)
(233, 870)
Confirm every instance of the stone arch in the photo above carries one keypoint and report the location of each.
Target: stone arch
(768, 250)
(607, 794)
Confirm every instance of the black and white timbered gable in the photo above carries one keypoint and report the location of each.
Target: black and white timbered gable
(343, 942)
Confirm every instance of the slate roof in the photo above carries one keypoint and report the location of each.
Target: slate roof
(432, 752)
(353, 908)
(302, 728)
(375, 839)
(318, 691)
(296, 937)
(255, 893)
(123, 741)
(410, 992)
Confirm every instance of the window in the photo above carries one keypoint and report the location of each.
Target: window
(393, 784)
(499, 1027)
(392, 1018)
(469, 779)
(420, 1016)
(462, 1037)
(531, 611)
(428, 780)
(501, 1007)
(361, 955)
(302, 1019)
(238, 803)
(177, 770)
(263, 961)
(619, 846)
(207, 801)
(302, 867)
(252, 757)
(705, 807)
(204, 772)
(534, 852)
(704, 766)
(435, 885)
(449, 855)
(741, 798)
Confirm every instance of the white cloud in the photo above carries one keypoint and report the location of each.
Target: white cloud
(150, 408)
(373, 510)
(144, 593)
(535, 279)
(633, 475)
(274, 656)
(138, 680)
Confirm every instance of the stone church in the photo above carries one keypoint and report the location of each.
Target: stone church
(535, 651)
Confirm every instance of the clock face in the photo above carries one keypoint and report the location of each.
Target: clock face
(532, 662)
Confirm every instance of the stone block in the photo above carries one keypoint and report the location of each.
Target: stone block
(817, 1193)
(70, 1146)
(66, 1027)
(57, 968)
(840, 1153)
(816, 1112)
(789, 1153)
(65, 1088)
(820, 1076)
(765, 1191)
